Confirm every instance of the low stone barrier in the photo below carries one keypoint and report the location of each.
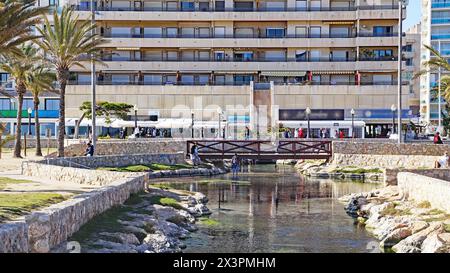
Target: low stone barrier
(94, 162)
(384, 161)
(391, 175)
(128, 147)
(14, 237)
(423, 188)
(389, 148)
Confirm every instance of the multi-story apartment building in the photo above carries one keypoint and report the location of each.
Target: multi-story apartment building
(329, 55)
(435, 32)
(411, 55)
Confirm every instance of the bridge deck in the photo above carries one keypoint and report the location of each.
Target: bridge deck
(262, 149)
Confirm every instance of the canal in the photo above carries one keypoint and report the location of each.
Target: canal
(274, 209)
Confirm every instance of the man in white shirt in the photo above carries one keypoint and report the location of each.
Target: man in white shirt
(442, 162)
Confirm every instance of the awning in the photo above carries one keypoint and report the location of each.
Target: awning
(284, 73)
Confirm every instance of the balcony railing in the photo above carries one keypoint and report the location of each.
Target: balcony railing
(311, 59)
(246, 36)
(235, 9)
(236, 83)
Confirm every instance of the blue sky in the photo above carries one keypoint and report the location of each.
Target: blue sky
(413, 14)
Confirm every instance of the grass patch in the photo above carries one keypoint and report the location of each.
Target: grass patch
(4, 181)
(438, 219)
(165, 201)
(424, 205)
(435, 212)
(395, 212)
(146, 168)
(15, 205)
(208, 222)
(447, 227)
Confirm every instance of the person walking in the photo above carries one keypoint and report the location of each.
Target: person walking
(300, 133)
(341, 134)
(247, 133)
(437, 138)
(235, 165)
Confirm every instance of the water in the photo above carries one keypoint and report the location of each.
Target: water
(272, 209)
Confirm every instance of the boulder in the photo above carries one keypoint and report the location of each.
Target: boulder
(418, 226)
(395, 236)
(436, 243)
(119, 237)
(413, 243)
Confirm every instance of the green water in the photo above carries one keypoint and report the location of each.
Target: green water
(270, 209)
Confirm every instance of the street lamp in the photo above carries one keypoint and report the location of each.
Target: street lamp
(353, 122)
(400, 59)
(308, 113)
(135, 108)
(219, 112)
(235, 126)
(29, 120)
(192, 124)
(93, 79)
(393, 109)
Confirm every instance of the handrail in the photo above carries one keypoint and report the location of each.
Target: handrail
(46, 161)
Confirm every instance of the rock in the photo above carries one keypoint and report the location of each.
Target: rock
(418, 226)
(413, 243)
(395, 236)
(436, 243)
(160, 243)
(124, 238)
(113, 247)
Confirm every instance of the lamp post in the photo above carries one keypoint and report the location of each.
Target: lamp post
(235, 126)
(353, 122)
(219, 113)
(29, 120)
(93, 80)
(135, 108)
(400, 58)
(192, 124)
(439, 94)
(308, 113)
(393, 109)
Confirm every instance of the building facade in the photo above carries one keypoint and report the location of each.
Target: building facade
(411, 55)
(174, 59)
(435, 32)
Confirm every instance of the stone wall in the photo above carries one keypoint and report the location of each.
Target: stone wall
(390, 177)
(389, 148)
(116, 160)
(31, 143)
(72, 175)
(131, 146)
(422, 188)
(384, 161)
(14, 237)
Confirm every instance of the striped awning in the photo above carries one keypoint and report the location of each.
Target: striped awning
(284, 73)
(333, 72)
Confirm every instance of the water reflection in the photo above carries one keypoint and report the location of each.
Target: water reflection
(269, 209)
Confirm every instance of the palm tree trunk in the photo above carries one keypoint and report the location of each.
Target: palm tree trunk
(37, 126)
(62, 76)
(18, 145)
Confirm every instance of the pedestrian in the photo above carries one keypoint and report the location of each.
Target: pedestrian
(437, 138)
(89, 149)
(341, 134)
(295, 133)
(234, 165)
(192, 155)
(442, 162)
(247, 133)
(300, 133)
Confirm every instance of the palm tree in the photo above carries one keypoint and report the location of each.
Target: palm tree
(16, 20)
(66, 43)
(20, 69)
(40, 80)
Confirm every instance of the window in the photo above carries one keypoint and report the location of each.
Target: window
(152, 55)
(243, 6)
(300, 5)
(203, 55)
(219, 32)
(315, 4)
(339, 55)
(187, 32)
(4, 77)
(52, 3)
(152, 79)
(314, 55)
(243, 79)
(243, 32)
(219, 79)
(172, 55)
(315, 32)
(152, 32)
(5, 104)
(120, 78)
(171, 6)
(275, 55)
(171, 32)
(220, 5)
(274, 32)
(409, 62)
(187, 55)
(219, 55)
(203, 6)
(187, 79)
(51, 104)
(301, 32)
(243, 56)
(300, 55)
(27, 103)
(187, 6)
(379, 31)
(383, 53)
(170, 79)
(203, 32)
(203, 79)
(120, 32)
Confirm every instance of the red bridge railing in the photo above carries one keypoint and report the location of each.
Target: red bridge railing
(262, 149)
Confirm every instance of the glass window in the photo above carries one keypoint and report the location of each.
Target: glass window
(301, 32)
(27, 103)
(84, 78)
(171, 79)
(203, 32)
(152, 55)
(152, 32)
(274, 32)
(172, 55)
(187, 32)
(120, 78)
(187, 55)
(219, 32)
(203, 6)
(243, 6)
(203, 55)
(187, 6)
(203, 79)
(120, 32)
(219, 55)
(243, 56)
(243, 79)
(315, 32)
(171, 32)
(152, 79)
(51, 104)
(171, 6)
(300, 55)
(382, 31)
(219, 79)
(52, 3)
(220, 5)
(5, 104)
(187, 79)
(300, 5)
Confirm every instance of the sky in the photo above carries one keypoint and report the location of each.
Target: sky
(413, 14)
